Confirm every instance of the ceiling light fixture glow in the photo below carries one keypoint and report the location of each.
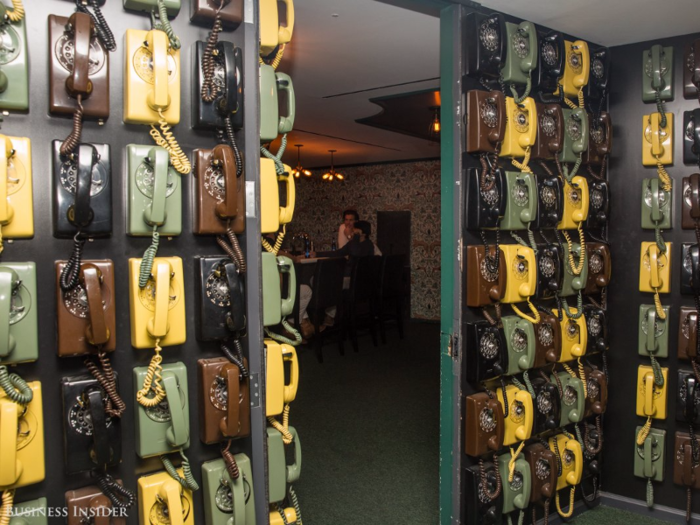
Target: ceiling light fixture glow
(435, 125)
(299, 170)
(332, 174)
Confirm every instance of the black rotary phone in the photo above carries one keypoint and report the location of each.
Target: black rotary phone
(550, 131)
(550, 195)
(220, 299)
(484, 506)
(688, 398)
(598, 204)
(485, 42)
(486, 198)
(547, 405)
(550, 65)
(599, 76)
(486, 355)
(550, 270)
(691, 137)
(597, 328)
(226, 88)
(690, 269)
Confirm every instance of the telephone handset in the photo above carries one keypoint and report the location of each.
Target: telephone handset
(485, 36)
(517, 483)
(690, 214)
(271, 122)
(655, 268)
(649, 457)
(521, 57)
(279, 473)
(550, 131)
(688, 398)
(550, 205)
(483, 494)
(518, 412)
(688, 333)
(19, 334)
(521, 283)
(487, 355)
(92, 438)
(279, 392)
(82, 189)
(91, 501)
(599, 267)
(521, 128)
(574, 335)
(573, 284)
(220, 299)
(521, 201)
(691, 137)
(691, 70)
(272, 213)
(657, 141)
(550, 63)
(543, 466)
(148, 6)
(690, 269)
(227, 498)
(78, 68)
(598, 204)
(599, 76)
(685, 470)
(548, 338)
(520, 343)
(597, 327)
(657, 80)
(599, 138)
(164, 500)
(547, 405)
(483, 424)
(486, 198)
(16, 198)
(656, 205)
(573, 398)
(230, 12)
(571, 459)
(651, 398)
(486, 113)
(277, 306)
(14, 60)
(550, 270)
(596, 392)
(486, 276)
(577, 201)
(577, 68)
(272, 32)
(575, 135)
(225, 90)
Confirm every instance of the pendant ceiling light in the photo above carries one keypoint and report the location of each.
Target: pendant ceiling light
(435, 126)
(332, 174)
(299, 170)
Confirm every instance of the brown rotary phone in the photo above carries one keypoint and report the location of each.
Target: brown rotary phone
(483, 424)
(486, 276)
(687, 333)
(550, 131)
(599, 267)
(543, 470)
(486, 112)
(547, 340)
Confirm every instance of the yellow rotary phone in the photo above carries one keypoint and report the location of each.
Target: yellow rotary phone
(657, 141)
(521, 283)
(272, 32)
(521, 131)
(571, 460)
(16, 200)
(655, 272)
(518, 414)
(278, 392)
(574, 336)
(651, 398)
(272, 215)
(164, 500)
(576, 204)
(577, 68)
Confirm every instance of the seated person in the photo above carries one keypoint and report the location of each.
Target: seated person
(347, 228)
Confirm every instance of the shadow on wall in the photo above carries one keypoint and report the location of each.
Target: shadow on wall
(406, 186)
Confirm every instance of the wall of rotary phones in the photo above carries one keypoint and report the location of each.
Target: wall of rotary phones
(126, 271)
(541, 323)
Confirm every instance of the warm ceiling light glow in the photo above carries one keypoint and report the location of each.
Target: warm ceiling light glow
(332, 174)
(435, 126)
(300, 170)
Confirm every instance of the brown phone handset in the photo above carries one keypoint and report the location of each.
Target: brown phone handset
(228, 13)
(484, 424)
(486, 112)
(690, 214)
(691, 70)
(599, 141)
(688, 334)
(486, 275)
(550, 131)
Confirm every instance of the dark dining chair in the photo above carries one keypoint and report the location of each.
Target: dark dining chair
(361, 305)
(391, 296)
(327, 292)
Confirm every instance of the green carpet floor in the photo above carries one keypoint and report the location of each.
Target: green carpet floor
(369, 428)
(603, 515)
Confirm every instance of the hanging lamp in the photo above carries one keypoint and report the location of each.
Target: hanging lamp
(332, 174)
(299, 170)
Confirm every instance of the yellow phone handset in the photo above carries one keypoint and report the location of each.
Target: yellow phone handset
(574, 336)
(163, 500)
(527, 139)
(655, 272)
(287, 212)
(158, 98)
(289, 355)
(7, 212)
(521, 267)
(573, 477)
(169, 492)
(274, 378)
(657, 141)
(580, 79)
(577, 69)
(16, 194)
(521, 130)
(272, 33)
(651, 397)
(10, 466)
(158, 324)
(284, 33)
(519, 410)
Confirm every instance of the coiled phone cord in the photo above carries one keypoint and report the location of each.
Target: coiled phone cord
(162, 23)
(523, 166)
(657, 304)
(120, 496)
(73, 139)
(572, 105)
(211, 89)
(236, 357)
(576, 268)
(231, 136)
(275, 62)
(497, 310)
(513, 457)
(230, 245)
(282, 428)
(517, 238)
(579, 436)
(115, 405)
(664, 177)
(565, 306)
(572, 494)
(295, 503)
(587, 438)
(527, 386)
(187, 481)
(659, 239)
(582, 375)
(282, 339)
(17, 12)
(148, 258)
(535, 318)
(658, 374)
(603, 167)
(230, 461)
(104, 33)
(70, 275)
(484, 482)
(165, 139)
(277, 159)
(660, 108)
(492, 261)
(650, 493)
(644, 432)
(153, 381)
(8, 497)
(278, 242)
(15, 387)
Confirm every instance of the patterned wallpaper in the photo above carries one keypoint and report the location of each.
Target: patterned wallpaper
(409, 186)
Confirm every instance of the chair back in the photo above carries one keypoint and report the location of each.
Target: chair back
(364, 280)
(391, 283)
(327, 285)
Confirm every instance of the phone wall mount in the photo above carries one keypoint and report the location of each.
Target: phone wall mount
(163, 428)
(228, 78)
(688, 333)
(521, 201)
(597, 392)
(691, 137)
(550, 203)
(290, 516)
(520, 343)
(550, 62)
(573, 399)
(486, 114)
(484, 285)
(656, 205)
(599, 267)
(154, 192)
(550, 270)
(92, 438)
(279, 473)
(483, 502)
(14, 64)
(21, 440)
(600, 132)
(520, 414)
(688, 398)
(574, 336)
(219, 195)
(486, 203)
(226, 498)
(691, 69)
(657, 80)
(221, 381)
(576, 203)
(649, 457)
(220, 298)
(521, 127)
(483, 424)
(279, 391)
(90, 504)
(521, 53)
(653, 331)
(86, 315)
(547, 405)
(152, 78)
(599, 75)
(158, 309)
(577, 67)
(516, 493)
(272, 32)
(161, 498)
(78, 66)
(571, 456)
(657, 142)
(651, 398)
(598, 204)
(487, 356)
(272, 213)
(16, 197)
(655, 268)
(486, 48)
(547, 340)
(147, 6)
(571, 283)
(34, 512)
(685, 472)
(550, 131)
(276, 305)
(597, 327)
(19, 302)
(576, 135)
(206, 11)
(271, 122)
(543, 467)
(522, 273)
(82, 191)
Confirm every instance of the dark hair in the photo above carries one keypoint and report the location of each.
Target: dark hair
(365, 227)
(351, 212)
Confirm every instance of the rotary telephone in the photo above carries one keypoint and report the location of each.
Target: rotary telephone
(90, 504)
(691, 137)
(271, 122)
(230, 12)
(547, 405)
(86, 314)
(483, 424)
(550, 63)
(656, 205)
(550, 131)
(219, 191)
(521, 282)
(550, 270)
(543, 467)
(599, 267)
(690, 270)
(657, 140)
(521, 201)
(649, 457)
(484, 499)
(599, 75)
(517, 486)
(172, 7)
(82, 191)
(14, 67)
(547, 340)
(278, 390)
(550, 198)
(691, 70)
(688, 333)
(272, 214)
(686, 470)
(599, 139)
(655, 269)
(92, 438)
(651, 398)
(521, 130)
(272, 32)
(598, 204)
(518, 413)
(486, 198)
(657, 81)
(220, 299)
(690, 213)
(521, 57)
(227, 497)
(570, 457)
(219, 381)
(653, 332)
(486, 113)
(573, 398)
(520, 343)
(217, 101)
(485, 37)
(576, 135)
(164, 500)
(21, 439)
(486, 276)
(574, 335)
(279, 472)
(19, 332)
(32, 512)
(487, 355)
(688, 398)
(577, 69)
(596, 392)
(16, 198)
(573, 284)
(576, 204)
(596, 327)
(277, 306)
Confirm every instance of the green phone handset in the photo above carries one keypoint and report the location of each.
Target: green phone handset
(576, 135)
(521, 58)
(517, 481)
(656, 209)
(14, 67)
(649, 459)
(657, 80)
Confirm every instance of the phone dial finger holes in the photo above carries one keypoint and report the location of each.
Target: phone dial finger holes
(659, 325)
(568, 458)
(65, 53)
(489, 346)
(517, 482)
(649, 66)
(544, 402)
(80, 418)
(489, 36)
(145, 180)
(217, 289)
(597, 198)
(593, 389)
(224, 498)
(595, 325)
(147, 295)
(550, 53)
(545, 333)
(160, 514)
(520, 193)
(517, 412)
(542, 469)
(648, 136)
(598, 68)
(521, 44)
(9, 44)
(143, 64)
(575, 61)
(519, 340)
(16, 175)
(570, 396)
(69, 177)
(487, 421)
(595, 263)
(520, 268)
(521, 120)
(27, 426)
(161, 412)
(215, 183)
(489, 112)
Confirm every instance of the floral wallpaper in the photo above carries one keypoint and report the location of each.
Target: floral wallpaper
(408, 186)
